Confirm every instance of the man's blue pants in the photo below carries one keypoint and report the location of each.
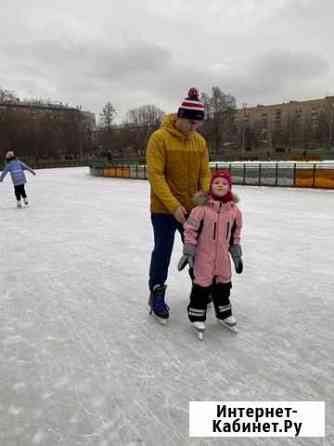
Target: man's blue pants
(164, 228)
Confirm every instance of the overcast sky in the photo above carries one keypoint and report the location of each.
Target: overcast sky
(137, 52)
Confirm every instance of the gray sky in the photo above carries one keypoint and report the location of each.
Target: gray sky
(134, 52)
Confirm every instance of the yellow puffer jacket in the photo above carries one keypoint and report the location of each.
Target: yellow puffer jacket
(178, 167)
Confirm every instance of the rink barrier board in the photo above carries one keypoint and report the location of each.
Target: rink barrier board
(118, 171)
(249, 175)
(320, 178)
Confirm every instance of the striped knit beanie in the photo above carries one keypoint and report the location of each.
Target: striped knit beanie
(191, 107)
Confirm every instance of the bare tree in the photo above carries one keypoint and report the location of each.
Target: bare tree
(107, 133)
(219, 126)
(108, 115)
(146, 115)
(8, 96)
(140, 123)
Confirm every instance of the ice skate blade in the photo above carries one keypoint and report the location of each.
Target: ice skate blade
(232, 328)
(200, 333)
(159, 319)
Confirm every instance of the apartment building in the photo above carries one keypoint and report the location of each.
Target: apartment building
(300, 128)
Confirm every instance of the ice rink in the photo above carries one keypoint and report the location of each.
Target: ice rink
(81, 361)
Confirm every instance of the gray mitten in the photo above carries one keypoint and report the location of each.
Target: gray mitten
(236, 254)
(188, 257)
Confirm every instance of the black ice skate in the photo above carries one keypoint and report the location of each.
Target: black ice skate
(158, 307)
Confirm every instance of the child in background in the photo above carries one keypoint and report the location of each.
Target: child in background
(211, 235)
(16, 169)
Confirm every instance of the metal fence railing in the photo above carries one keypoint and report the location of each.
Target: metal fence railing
(281, 174)
(314, 175)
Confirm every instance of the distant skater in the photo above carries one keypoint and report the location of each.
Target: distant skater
(211, 235)
(16, 169)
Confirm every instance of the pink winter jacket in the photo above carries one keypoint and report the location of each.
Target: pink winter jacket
(219, 226)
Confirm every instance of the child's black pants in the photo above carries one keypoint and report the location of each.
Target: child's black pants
(220, 293)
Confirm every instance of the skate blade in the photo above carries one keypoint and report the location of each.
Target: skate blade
(160, 320)
(157, 318)
(232, 328)
(200, 333)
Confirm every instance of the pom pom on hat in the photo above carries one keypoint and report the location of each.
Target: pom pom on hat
(191, 107)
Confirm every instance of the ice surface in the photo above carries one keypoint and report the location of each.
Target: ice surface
(81, 361)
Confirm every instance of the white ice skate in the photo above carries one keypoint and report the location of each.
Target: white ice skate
(200, 329)
(18, 204)
(26, 202)
(230, 323)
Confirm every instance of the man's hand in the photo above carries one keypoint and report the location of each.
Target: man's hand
(180, 215)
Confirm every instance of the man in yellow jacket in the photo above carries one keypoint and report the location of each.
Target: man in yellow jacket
(178, 167)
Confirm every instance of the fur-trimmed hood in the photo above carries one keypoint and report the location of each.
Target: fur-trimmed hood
(202, 198)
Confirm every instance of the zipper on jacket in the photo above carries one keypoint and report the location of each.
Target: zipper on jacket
(215, 225)
(228, 230)
(215, 230)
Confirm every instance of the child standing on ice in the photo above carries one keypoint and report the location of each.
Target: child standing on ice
(16, 169)
(211, 235)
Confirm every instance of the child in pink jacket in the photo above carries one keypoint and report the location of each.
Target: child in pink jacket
(211, 235)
